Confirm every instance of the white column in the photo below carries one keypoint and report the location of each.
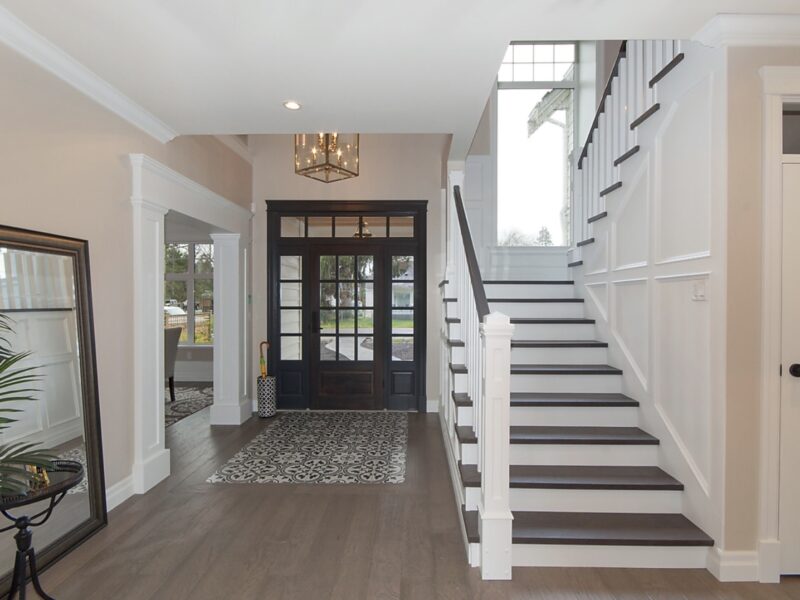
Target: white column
(151, 458)
(495, 511)
(230, 407)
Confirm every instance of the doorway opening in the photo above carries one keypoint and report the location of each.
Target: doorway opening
(347, 304)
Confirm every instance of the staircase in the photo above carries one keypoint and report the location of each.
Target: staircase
(549, 464)
(585, 488)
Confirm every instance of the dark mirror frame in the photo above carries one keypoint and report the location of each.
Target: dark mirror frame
(78, 250)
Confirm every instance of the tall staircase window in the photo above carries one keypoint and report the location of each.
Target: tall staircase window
(535, 140)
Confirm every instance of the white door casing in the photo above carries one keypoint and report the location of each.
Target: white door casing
(157, 189)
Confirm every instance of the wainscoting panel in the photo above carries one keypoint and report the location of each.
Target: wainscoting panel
(683, 175)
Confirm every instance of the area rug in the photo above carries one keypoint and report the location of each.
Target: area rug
(323, 447)
(188, 400)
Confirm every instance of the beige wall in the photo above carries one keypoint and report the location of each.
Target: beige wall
(744, 281)
(393, 167)
(64, 170)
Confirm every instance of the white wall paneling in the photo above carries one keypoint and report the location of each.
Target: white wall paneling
(661, 304)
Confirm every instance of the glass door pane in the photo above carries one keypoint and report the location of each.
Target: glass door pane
(346, 302)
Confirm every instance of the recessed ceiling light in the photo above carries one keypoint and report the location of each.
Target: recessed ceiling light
(292, 105)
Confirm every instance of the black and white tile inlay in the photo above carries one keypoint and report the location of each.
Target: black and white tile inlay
(323, 447)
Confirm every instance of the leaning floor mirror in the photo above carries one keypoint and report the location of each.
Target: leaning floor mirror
(46, 323)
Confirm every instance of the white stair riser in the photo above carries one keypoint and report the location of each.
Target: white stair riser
(495, 290)
(631, 557)
(606, 384)
(451, 309)
(559, 356)
(454, 331)
(640, 455)
(468, 453)
(628, 501)
(572, 500)
(464, 415)
(575, 416)
(459, 382)
(553, 331)
(539, 310)
(458, 355)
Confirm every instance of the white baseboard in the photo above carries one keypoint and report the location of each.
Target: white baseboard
(432, 406)
(231, 414)
(150, 472)
(769, 561)
(733, 565)
(119, 492)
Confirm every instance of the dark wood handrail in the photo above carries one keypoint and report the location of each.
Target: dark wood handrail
(601, 107)
(472, 260)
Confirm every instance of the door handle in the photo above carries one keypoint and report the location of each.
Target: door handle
(794, 370)
(315, 326)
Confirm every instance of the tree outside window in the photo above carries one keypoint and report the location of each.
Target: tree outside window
(189, 291)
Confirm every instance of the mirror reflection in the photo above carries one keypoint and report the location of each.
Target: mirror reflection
(38, 304)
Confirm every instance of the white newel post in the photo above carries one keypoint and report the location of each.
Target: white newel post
(151, 458)
(230, 406)
(494, 509)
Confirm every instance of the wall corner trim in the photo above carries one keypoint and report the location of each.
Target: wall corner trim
(733, 565)
(18, 36)
(750, 30)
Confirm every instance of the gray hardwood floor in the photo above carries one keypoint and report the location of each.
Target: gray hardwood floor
(190, 539)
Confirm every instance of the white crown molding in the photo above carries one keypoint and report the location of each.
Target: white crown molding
(18, 36)
(750, 30)
(235, 143)
(226, 209)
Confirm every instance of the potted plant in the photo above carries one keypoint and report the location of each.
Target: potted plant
(21, 463)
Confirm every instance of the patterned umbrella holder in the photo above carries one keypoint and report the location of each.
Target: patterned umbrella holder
(266, 396)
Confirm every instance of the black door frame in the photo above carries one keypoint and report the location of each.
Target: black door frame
(404, 382)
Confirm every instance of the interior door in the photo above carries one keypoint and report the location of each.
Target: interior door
(347, 338)
(789, 516)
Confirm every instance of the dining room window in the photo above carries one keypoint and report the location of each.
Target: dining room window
(189, 291)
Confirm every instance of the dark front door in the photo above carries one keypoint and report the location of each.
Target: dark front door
(347, 304)
(347, 324)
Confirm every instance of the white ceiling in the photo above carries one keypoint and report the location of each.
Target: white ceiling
(371, 66)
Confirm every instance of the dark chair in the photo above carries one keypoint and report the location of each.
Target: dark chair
(171, 337)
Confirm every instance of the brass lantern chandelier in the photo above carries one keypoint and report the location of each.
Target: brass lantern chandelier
(326, 157)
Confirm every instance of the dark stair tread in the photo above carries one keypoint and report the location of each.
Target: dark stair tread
(577, 263)
(542, 434)
(536, 300)
(456, 343)
(558, 344)
(466, 435)
(462, 399)
(471, 525)
(552, 320)
(564, 370)
(570, 399)
(528, 282)
(614, 529)
(579, 477)
(452, 320)
(458, 369)
(450, 300)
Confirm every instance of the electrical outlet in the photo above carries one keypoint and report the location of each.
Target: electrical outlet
(699, 291)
